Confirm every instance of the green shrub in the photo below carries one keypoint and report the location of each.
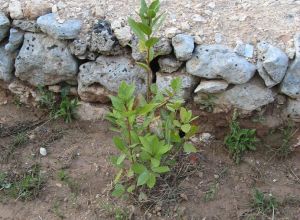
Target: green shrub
(239, 140)
(265, 204)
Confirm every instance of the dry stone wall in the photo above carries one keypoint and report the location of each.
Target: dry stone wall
(46, 51)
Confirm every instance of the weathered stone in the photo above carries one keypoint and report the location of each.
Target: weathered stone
(218, 61)
(163, 47)
(272, 64)
(247, 97)
(122, 31)
(292, 110)
(291, 82)
(45, 61)
(26, 25)
(101, 78)
(211, 86)
(88, 55)
(4, 26)
(70, 29)
(15, 9)
(15, 40)
(103, 39)
(57, 89)
(169, 64)
(91, 112)
(245, 50)
(25, 93)
(36, 8)
(183, 46)
(6, 64)
(78, 47)
(163, 81)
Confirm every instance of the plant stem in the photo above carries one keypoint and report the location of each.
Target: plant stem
(149, 76)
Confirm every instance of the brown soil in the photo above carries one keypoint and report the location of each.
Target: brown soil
(218, 190)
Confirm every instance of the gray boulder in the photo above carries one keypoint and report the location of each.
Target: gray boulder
(103, 40)
(211, 86)
(78, 47)
(272, 64)
(183, 46)
(26, 25)
(291, 82)
(101, 78)
(245, 50)
(292, 110)
(4, 26)
(15, 40)
(163, 47)
(45, 61)
(169, 64)
(163, 81)
(70, 29)
(220, 62)
(6, 64)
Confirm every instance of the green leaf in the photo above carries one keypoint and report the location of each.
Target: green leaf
(186, 128)
(154, 6)
(121, 159)
(151, 181)
(164, 149)
(176, 84)
(177, 123)
(192, 132)
(151, 42)
(125, 91)
(151, 54)
(138, 168)
(143, 178)
(144, 7)
(119, 190)
(143, 65)
(118, 176)
(144, 28)
(119, 143)
(131, 188)
(130, 173)
(117, 103)
(189, 148)
(158, 21)
(136, 29)
(151, 14)
(155, 162)
(162, 169)
(146, 108)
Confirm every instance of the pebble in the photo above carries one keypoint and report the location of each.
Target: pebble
(43, 151)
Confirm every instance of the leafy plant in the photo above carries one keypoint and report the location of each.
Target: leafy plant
(67, 109)
(239, 140)
(286, 147)
(47, 100)
(72, 184)
(264, 203)
(207, 102)
(147, 152)
(145, 29)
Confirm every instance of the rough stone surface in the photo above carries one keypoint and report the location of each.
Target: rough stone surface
(218, 61)
(25, 93)
(15, 9)
(103, 40)
(105, 75)
(293, 109)
(245, 50)
(122, 31)
(4, 26)
(70, 29)
(163, 81)
(89, 112)
(291, 82)
(169, 64)
(211, 86)
(163, 47)
(35, 8)
(45, 61)
(15, 40)
(6, 64)
(26, 25)
(183, 46)
(272, 64)
(78, 47)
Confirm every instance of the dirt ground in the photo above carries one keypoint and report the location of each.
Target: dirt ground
(218, 189)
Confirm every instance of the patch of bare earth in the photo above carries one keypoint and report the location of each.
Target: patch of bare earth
(218, 189)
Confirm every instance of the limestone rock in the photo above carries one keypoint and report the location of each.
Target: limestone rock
(245, 50)
(103, 40)
(6, 64)
(15, 9)
(70, 29)
(101, 78)
(220, 62)
(122, 31)
(26, 25)
(36, 8)
(272, 64)
(4, 26)
(15, 40)
(78, 47)
(291, 82)
(169, 64)
(293, 109)
(91, 112)
(25, 93)
(163, 47)
(45, 61)
(163, 81)
(211, 86)
(183, 46)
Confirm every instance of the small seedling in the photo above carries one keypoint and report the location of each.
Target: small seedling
(19, 140)
(207, 102)
(211, 193)
(286, 147)
(239, 140)
(72, 184)
(265, 204)
(66, 109)
(47, 100)
(56, 209)
(114, 211)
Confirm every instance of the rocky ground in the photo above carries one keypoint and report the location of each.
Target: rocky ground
(209, 21)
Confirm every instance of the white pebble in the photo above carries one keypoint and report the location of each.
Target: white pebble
(43, 151)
